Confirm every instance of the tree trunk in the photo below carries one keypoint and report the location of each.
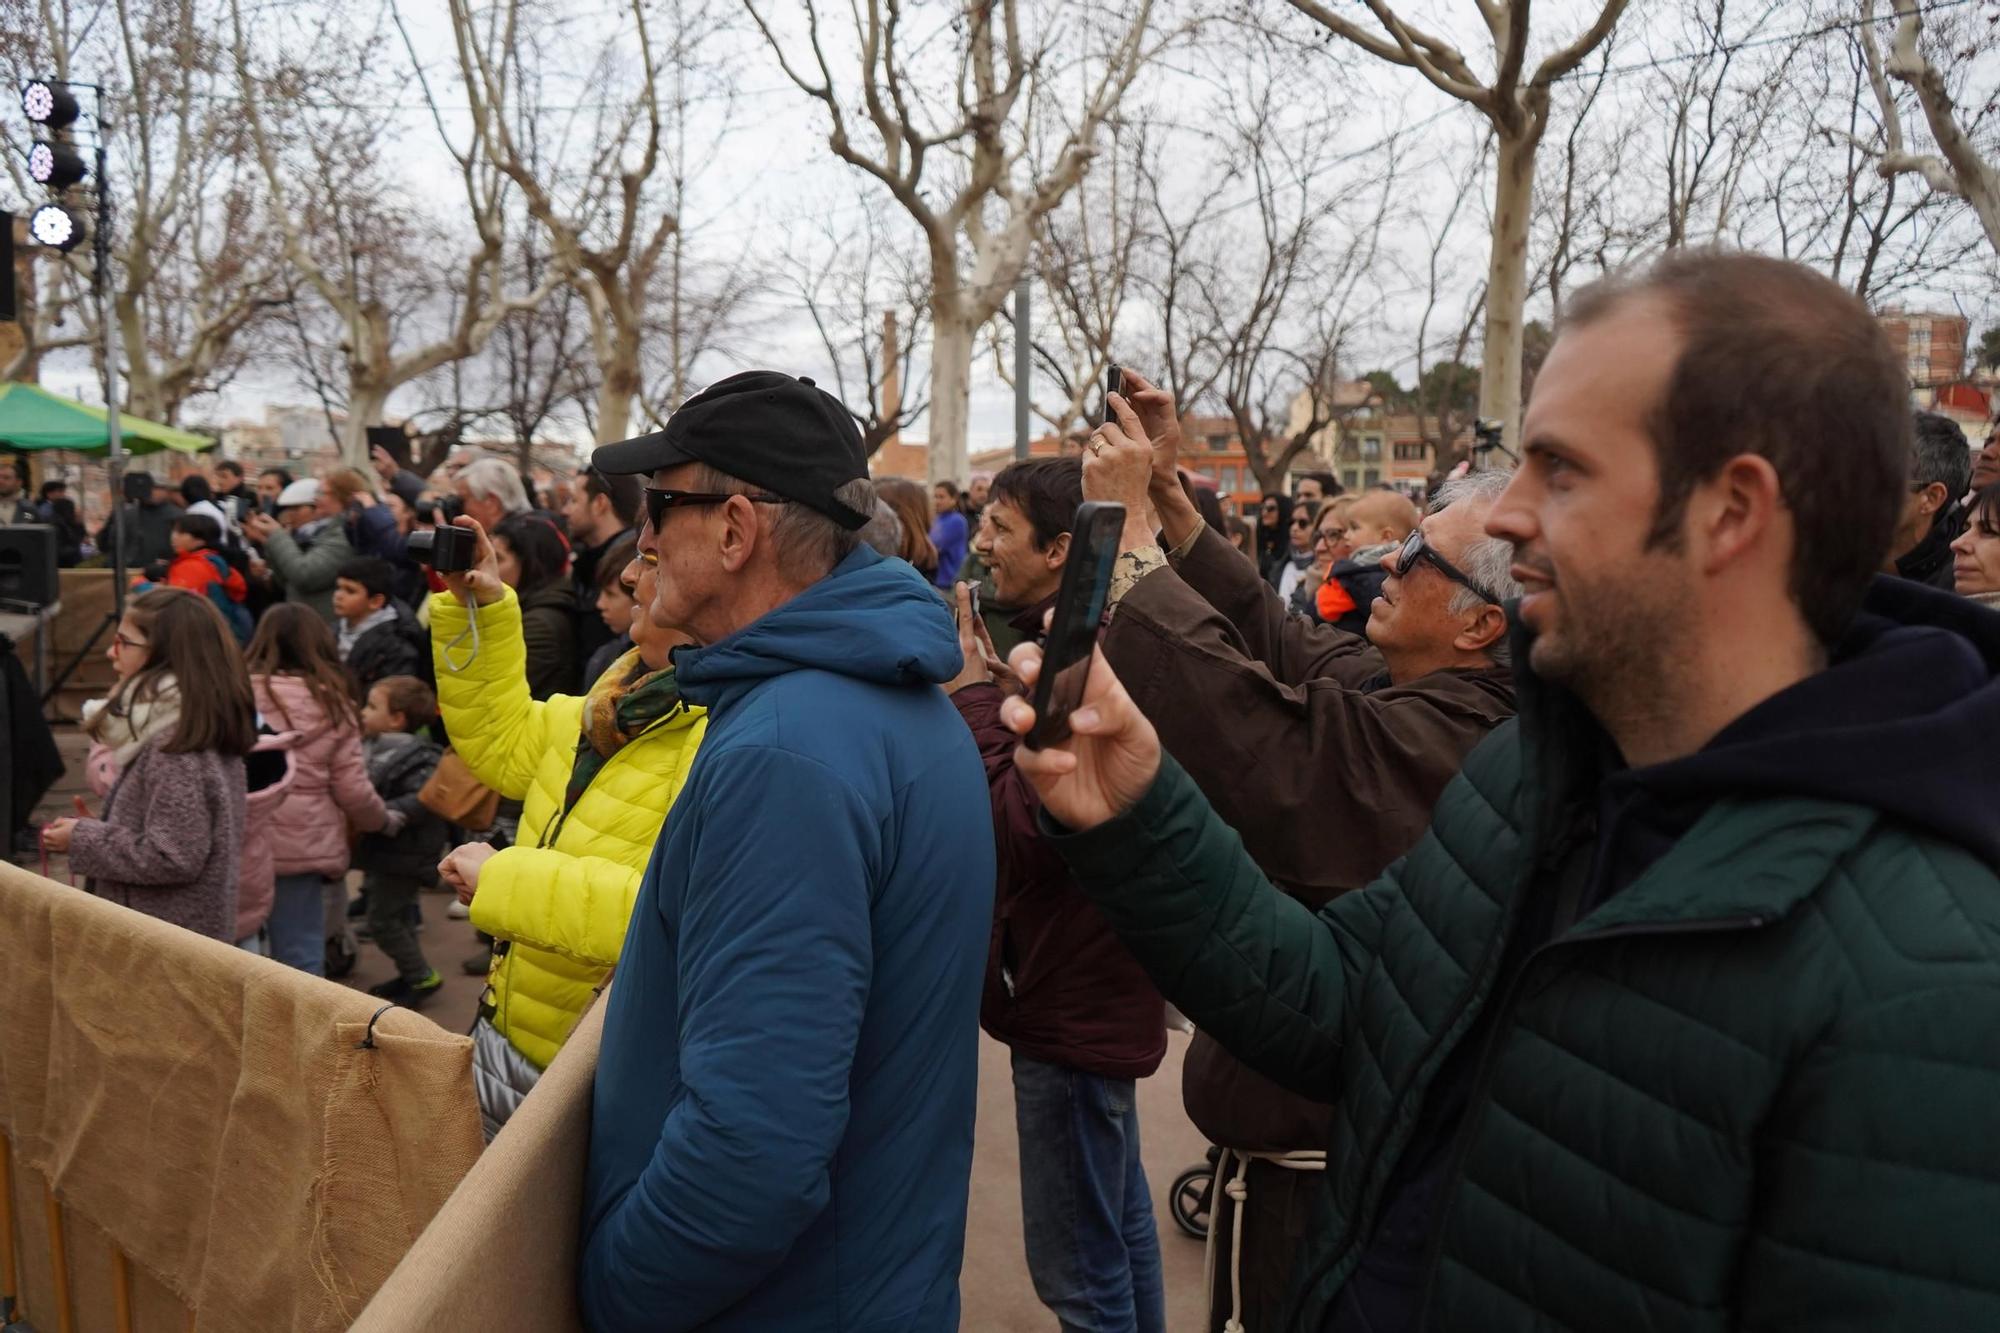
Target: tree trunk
(951, 388)
(367, 402)
(615, 391)
(1507, 275)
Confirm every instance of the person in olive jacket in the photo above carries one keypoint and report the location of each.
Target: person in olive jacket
(1681, 1014)
(1353, 744)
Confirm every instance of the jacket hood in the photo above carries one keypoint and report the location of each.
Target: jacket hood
(1902, 721)
(872, 618)
(556, 592)
(287, 705)
(394, 754)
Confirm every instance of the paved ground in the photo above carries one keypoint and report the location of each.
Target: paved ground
(997, 1297)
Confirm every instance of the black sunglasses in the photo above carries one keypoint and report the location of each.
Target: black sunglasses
(658, 501)
(1415, 548)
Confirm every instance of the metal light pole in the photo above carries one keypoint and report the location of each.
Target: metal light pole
(114, 453)
(1021, 367)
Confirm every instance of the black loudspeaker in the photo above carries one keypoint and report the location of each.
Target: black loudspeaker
(28, 563)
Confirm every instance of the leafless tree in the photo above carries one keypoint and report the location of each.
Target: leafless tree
(1516, 103)
(701, 310)
(869, 301)
(1812, 190)
(1086, 270)
(193, 259)
(1959, 166)
(955, 154)
(355, 244)
(1446, 330)
(1259, 300)
(611, 208)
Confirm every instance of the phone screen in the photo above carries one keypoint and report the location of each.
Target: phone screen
(1114, 382)
(1086, 580)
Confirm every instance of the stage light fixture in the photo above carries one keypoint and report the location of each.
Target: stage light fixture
(49, 103)
(55, 165)
(57, 227)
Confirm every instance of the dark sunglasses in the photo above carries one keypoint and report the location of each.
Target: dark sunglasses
(658, 501)
(1302, 522)
(1415, 548)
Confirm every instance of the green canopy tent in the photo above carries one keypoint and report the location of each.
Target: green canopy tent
(33, 418)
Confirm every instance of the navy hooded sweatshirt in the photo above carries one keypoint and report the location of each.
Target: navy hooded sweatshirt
(782, 1132)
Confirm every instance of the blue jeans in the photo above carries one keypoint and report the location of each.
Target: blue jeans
(298, 923)
(1093, 1250)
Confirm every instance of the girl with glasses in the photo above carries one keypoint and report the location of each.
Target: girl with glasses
(171, 739)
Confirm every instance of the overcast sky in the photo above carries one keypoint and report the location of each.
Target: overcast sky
(768, 185)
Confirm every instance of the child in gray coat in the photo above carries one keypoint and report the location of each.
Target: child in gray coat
(397, 862)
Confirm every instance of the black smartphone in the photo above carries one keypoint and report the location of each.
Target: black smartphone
(1086, 579)
(1114, 382)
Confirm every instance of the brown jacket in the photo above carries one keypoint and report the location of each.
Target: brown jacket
(1296, 735)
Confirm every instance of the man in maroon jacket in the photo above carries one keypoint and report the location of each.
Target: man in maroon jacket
(1062, 992)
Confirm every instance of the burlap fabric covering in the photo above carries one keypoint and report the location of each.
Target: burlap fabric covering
(217, 1116)
(502, 1253)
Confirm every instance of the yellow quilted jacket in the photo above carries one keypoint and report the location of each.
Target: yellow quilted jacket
(562, 907)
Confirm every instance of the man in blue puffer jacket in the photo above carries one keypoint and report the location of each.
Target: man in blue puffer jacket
(782, 1132)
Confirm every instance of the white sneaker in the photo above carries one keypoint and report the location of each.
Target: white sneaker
(458, 911)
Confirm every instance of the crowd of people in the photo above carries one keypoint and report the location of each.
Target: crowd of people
(1582, 887)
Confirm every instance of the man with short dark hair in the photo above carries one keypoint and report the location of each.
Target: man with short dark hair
(231, 492)
(1933, 509)
(1986, 467)
(14, 504)
(1062, 993)
(781, 1136)
(147, 524)
(271, 483)
(1679, 1012)
(601, 510)
(1315, 488)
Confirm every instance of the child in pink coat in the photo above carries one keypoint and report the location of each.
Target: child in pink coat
(300, 686)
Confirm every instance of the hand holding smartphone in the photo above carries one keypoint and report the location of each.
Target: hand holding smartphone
(1086, 581)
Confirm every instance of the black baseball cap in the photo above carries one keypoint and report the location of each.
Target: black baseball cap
(785, 434)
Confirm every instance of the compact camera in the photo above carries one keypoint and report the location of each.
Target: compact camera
(447, 550)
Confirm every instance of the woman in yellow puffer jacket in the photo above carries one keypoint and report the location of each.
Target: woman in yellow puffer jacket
(558, 900)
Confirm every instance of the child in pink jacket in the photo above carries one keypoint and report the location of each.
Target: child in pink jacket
(300, 685)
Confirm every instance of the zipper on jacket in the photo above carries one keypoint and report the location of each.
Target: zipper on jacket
(1371, 1194)
(1482, 1075)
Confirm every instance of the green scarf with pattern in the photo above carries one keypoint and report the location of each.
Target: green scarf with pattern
(626, 700)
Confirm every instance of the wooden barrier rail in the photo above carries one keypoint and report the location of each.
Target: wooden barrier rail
(259, 1195)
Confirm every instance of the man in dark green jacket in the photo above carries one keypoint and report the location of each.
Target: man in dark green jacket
(1683, 1012)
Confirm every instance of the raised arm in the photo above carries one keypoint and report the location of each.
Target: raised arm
(495, 726)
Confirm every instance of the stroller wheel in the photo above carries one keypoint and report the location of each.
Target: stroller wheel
(1190, 1199)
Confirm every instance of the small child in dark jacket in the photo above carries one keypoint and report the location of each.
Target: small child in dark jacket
(397, 862)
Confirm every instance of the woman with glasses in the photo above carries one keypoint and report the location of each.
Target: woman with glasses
(1286, 572)
(1272, 538)
(1326, 546)
(596, 775)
